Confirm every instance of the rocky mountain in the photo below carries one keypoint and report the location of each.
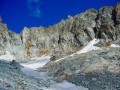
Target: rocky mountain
(83, 50)
(95, 70)
(64, 38)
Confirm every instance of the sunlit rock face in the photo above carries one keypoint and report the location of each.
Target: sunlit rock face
(64, 38)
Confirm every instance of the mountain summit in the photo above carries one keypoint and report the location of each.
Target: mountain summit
(64, 38)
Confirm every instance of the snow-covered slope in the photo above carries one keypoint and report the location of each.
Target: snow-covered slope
(65, 86)
(89, 47)
(31, 67)
(37, 63)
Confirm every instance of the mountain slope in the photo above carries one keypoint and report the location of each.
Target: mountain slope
(64, 38)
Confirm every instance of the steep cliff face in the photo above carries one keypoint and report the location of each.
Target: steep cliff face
(63, 38)
(108, 23)
(10, 41)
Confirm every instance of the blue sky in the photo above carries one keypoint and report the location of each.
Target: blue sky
(18, 14)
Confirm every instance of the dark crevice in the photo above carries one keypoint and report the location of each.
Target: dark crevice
(59, 41)
(76, 38)
(114, 17)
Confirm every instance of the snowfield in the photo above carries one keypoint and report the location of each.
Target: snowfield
(31, 67)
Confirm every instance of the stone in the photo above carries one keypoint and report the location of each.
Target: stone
(7, 84)
(94, 69)
(117, 11)
(53, 58)
(114, 67)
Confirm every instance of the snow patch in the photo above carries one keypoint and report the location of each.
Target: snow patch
(7, 56)
(31, 67)
(114, 45)
(65, 86)
(62, 58)
(39, 62)
(89, 47)
(34, 73)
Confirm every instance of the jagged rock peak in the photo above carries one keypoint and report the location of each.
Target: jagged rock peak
(67, 36)
(117, 9)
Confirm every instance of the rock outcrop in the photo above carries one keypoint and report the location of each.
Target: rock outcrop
(117, 11)
(63, 38)
(12, 78)
(95, 70)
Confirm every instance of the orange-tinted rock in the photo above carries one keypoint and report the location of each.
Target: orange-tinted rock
(41, 53)
(7, 85)
(27, 47)
(108, 43)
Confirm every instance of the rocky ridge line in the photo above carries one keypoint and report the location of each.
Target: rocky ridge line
(63, 38)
